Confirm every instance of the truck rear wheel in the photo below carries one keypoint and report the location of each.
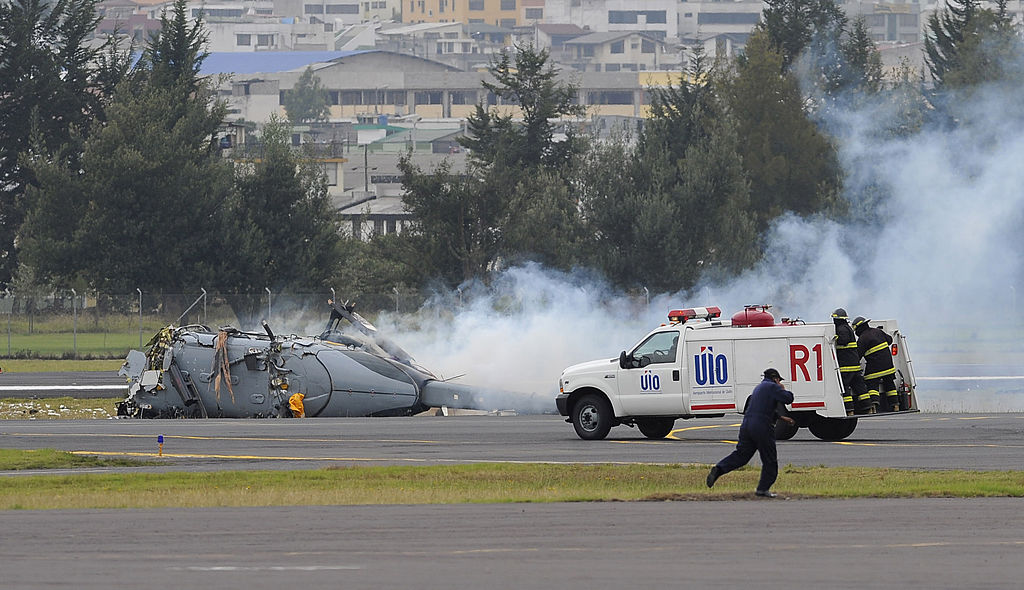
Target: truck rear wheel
(832, 428)
(784, 430)
(592, 417)
(655, 427)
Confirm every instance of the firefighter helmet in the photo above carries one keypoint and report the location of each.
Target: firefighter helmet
(839, 314)
(860, 321)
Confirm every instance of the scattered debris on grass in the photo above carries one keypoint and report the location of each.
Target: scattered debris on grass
(56, 409)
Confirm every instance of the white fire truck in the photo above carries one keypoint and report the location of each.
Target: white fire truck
(699, 365)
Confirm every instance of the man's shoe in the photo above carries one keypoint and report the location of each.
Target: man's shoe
(765, 494)
(713, 475)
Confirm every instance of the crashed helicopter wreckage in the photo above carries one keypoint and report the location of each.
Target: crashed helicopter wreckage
(195, 372)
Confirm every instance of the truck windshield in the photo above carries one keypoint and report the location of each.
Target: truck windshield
(659, 348)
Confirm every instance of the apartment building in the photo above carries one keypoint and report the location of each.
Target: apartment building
(656, 18)
(613, 52)
(500, 13)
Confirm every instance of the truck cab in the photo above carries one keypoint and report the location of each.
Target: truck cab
(700, 365)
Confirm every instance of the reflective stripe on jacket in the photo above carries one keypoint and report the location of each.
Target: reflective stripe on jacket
(873, 345)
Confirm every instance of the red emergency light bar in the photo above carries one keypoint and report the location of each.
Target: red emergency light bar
(703, 313)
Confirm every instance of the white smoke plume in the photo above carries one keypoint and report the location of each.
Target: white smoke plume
(944, 259)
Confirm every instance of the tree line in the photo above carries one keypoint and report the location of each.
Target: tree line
(111, 179)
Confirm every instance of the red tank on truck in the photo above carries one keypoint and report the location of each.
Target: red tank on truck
(699, 365)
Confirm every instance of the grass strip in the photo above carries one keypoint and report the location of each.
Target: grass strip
(61, 366)
(15, 460)
(481, 483)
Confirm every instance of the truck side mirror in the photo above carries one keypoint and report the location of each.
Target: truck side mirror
(623, 360)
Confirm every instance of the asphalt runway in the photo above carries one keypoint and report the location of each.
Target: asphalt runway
(910, 441)
(69, 384)
(771, 544)
(766, 544)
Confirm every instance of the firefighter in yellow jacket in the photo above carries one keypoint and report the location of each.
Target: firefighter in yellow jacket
(856, 397)
(879, 373)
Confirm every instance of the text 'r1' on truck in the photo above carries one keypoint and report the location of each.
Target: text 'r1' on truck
(699, 365)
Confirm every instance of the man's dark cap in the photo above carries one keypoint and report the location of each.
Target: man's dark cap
(772, 374)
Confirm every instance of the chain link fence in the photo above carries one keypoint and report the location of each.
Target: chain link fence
(69, 325)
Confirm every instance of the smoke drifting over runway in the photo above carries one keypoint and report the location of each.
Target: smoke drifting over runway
(942, 255)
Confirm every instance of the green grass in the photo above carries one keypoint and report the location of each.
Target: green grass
(14, 460)
(482, 483)
(60, 345)
(58, 408)
(54, 365)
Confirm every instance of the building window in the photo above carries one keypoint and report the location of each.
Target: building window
(427, 97)
(342, 9)
(610, 96)
(612, 67)
(508, 4)
(656, 17)
(243, 40)
(476, 4)
(313, 9)
(588, 51)
(463, 96)
(264, 40)
(646, 46)
(622, 17)
(632, 17)
(352, 97)
(534, 13)
(331, 172)
(507, 23)
(728, 18)
(619, 47)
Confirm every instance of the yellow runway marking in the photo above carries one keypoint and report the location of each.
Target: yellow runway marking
(361, 459)
(245, 438)
(672, 434)
(916, 445)
(250, 457)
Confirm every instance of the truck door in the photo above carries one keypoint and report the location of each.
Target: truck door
(712, 376)
(655, 388)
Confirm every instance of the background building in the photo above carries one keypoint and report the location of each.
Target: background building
(500, 13)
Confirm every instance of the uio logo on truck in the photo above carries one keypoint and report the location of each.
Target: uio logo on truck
(710, 368)
(650, 381)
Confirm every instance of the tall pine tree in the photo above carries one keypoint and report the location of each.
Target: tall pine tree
(53, 83)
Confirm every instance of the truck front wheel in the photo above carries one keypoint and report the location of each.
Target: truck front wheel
(655, 427)
(832, 428)
(592, 417)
